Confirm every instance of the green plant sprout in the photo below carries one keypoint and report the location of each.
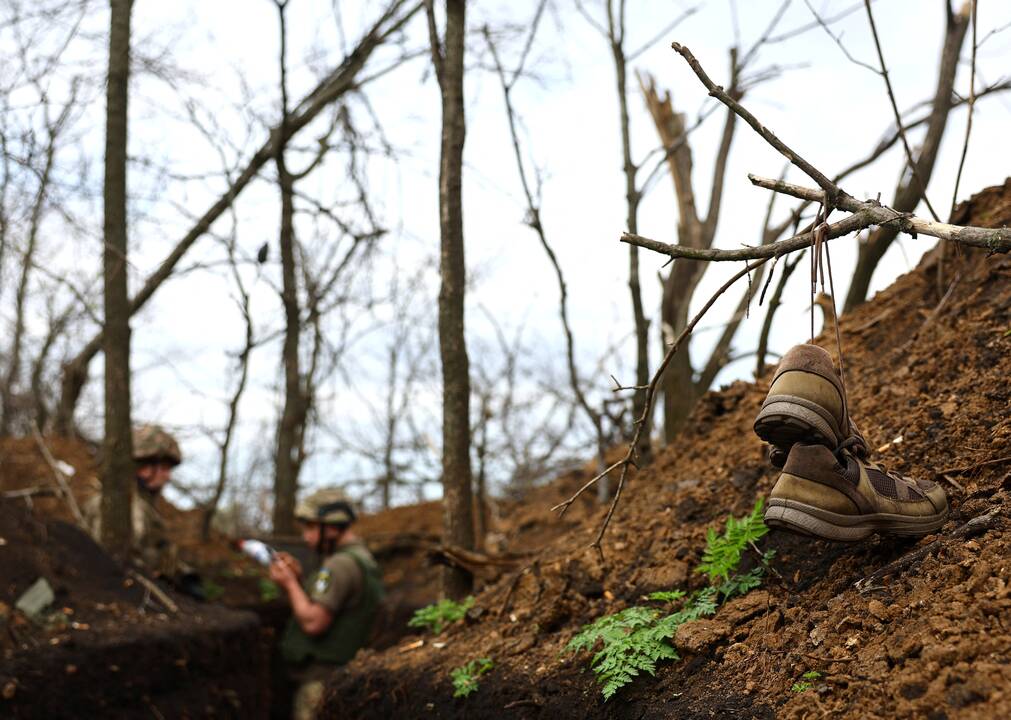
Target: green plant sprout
(436, 617)
(723, 552)
(805, 684)
(465, 677)
(269, 591)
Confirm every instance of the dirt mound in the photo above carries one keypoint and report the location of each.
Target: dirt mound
(107, 648)
(927, 378)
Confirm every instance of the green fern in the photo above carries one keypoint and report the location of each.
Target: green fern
(634, 640)
(666, 595)
(741, 584)
(437, 616)
(723, 552)
(465, 677)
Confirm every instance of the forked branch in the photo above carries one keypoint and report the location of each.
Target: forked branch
(641, 421)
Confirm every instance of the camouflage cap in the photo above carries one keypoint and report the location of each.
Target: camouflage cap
(328, 505)
(151, 443)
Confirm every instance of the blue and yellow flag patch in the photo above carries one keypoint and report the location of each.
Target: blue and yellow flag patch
(322, 582)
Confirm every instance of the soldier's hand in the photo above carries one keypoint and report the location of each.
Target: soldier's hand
(282, 574)
(290, 561)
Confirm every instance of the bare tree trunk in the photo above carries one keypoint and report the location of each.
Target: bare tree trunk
(5, 164)
(632, 198)
(457, 503)
(389, 469)
(342, 80)
(293, 415)
(680, 388)
(117, 459)
(908, 193)
(481, 482)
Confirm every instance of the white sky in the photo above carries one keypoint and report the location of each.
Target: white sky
(828, 109)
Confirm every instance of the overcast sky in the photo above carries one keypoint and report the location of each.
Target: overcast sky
(823, 105)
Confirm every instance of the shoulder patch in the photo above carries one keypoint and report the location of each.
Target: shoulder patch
(322, 582)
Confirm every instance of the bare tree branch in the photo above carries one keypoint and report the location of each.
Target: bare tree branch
(972, 103)
(631, 457)
(898, 116)
(865, 214)
(342, 80)
(720, 94)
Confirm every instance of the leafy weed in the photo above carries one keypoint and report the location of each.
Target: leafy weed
(437, 616)
(465, 677)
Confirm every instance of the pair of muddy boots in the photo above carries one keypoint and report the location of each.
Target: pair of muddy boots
(828, 487)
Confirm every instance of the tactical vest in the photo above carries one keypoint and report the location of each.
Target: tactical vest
(350, 628)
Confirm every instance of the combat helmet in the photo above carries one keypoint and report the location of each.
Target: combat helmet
(152, 443)
(329, 506)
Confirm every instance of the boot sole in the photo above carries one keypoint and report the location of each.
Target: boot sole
(785, 420)
(811, 521)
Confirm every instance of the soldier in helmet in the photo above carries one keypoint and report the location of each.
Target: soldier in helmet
(155, 453)
(333, 608)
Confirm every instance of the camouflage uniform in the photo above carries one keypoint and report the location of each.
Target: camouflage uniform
(349, 584)
(152, 546)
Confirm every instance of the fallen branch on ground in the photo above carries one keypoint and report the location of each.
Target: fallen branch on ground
(61, 481)
(152, 588)
(470, 560)
(975, 466)
(977, 526)
(29, 492)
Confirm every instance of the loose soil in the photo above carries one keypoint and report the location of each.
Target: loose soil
(109, 649)
(112, 649)
(928, 385)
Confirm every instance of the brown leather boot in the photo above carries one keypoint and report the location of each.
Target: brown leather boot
(838, 496)
(806, 403)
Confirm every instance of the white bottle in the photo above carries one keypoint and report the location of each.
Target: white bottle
(259, 551)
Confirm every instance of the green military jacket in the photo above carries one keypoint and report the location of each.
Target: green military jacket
(350, 585)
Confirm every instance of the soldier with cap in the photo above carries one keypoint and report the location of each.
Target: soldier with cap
(333, 608)
(155, 453)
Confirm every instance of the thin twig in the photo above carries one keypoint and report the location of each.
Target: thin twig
(978, 525)
(972, 102)
(789, 34)
(631, 57)
(61, 481)
(159, 594)
(29, 492)
(720, 94)
(898, 115)
(975, 466)
(838, 40)
(641, 421)
(865, 214)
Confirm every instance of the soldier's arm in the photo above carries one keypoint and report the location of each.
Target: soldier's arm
(314, 618)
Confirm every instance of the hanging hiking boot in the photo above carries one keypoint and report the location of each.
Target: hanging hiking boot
(838, 496)
(806, 403)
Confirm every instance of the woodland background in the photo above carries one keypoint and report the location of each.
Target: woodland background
(207, 348)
